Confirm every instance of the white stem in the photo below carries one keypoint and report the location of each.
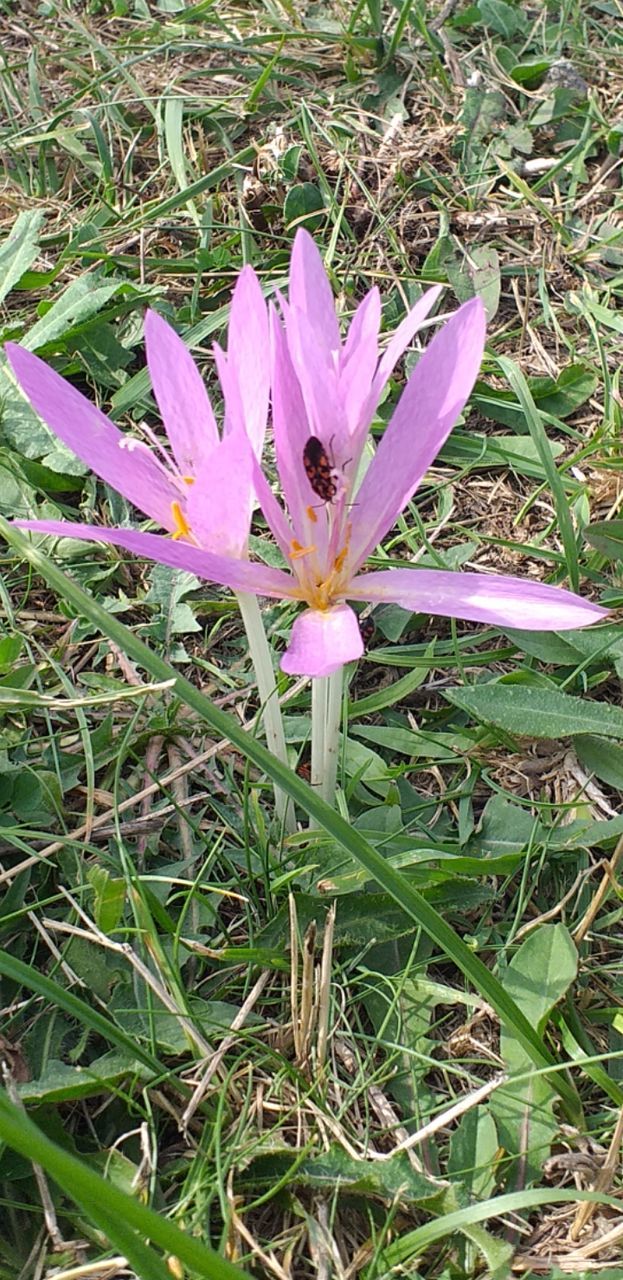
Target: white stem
(267, 688)
(335, 688)
(319, 724)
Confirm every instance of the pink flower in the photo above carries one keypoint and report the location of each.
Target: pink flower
(324, 393)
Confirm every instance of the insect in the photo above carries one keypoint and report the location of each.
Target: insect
(319, 471)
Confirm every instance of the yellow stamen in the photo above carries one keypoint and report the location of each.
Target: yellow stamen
(297, 551)
(188, 479)
(340, 558)
(311, 515)
(182, 527)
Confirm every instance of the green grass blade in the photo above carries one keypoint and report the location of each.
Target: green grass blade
(414, 1242)
(519, 385)
(392, 881)
(123, 1218)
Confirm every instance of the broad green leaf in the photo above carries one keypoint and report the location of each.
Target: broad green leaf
(304, 206)
(336, 1169)
(541, 971)
(64, 1083)
(606, 536)
(538, 976)
(537, 713)
(559, 397)
(473, 1147)
(601, 757)
(504, 828)
(483, 452)
(19, 250)
(361, 918)
(83, 298)
(508, 20)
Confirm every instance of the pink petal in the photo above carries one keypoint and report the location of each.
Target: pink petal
(358, 365)
(423, 419)
(181, 394)
(248, 354)
(233, 416)
(310, 291)
(238, 575)
(363, 328)
(479, 597)
(132, 470)
(219, 505)
(291, 431)
(317, 372)
(403, 335)
(273, 514)
(321, 642)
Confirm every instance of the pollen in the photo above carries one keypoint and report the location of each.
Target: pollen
(297, 551)
(188, 479)
(311, 515)
(182, 527)
(340, 558)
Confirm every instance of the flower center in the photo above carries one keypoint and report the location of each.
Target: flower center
(319, 592)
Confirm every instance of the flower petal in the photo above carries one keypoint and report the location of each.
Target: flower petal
(248, 355)
(219, 505)
(358, 365)
(402, 336)
(180, 393)
(317, 373)
(132, 469)
(479, 597)
(238, 574)
(273, 513)
(310, 292)
(423, 419)
(321, 642)
(292, 430)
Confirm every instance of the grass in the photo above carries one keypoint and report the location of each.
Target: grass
(207, 1072)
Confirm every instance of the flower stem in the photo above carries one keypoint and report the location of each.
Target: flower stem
(335, 683)
(261, 658)
(319, 725)
(326, 712)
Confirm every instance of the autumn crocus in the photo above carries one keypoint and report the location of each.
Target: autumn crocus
(324, 392)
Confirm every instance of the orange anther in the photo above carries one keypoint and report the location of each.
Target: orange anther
(311, 515)
(297, 551)
(182, 527)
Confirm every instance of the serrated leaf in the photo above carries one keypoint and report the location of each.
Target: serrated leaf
(19, 250)
(335, 1169)
(537, 713)
(361, 918)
